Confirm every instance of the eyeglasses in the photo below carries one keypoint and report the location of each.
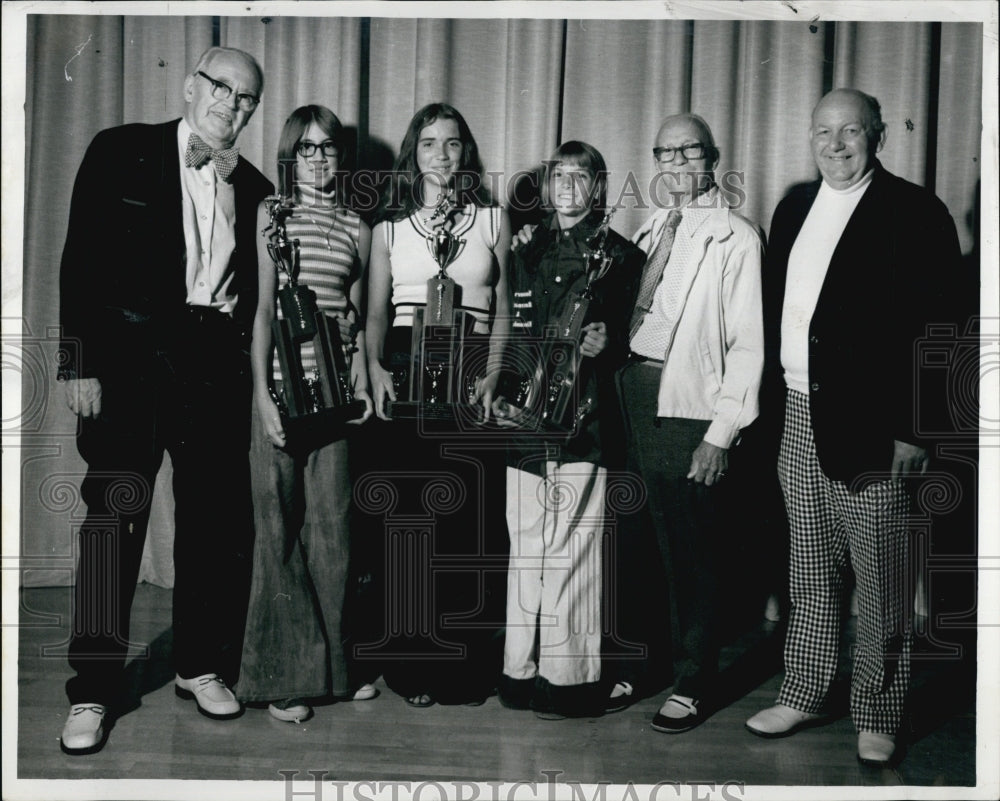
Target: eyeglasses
(692, 152)
(308, 149)
(222, 91)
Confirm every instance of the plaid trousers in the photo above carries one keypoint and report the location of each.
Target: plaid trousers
(829, 525)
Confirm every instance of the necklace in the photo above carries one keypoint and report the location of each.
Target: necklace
(328, 231)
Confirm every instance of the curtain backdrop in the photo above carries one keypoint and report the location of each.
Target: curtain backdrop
(523, 85)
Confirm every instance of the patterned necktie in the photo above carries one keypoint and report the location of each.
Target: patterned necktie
(198, 152)
(653, 271)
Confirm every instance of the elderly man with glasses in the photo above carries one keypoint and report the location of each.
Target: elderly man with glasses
(158, 290)
(688, 389)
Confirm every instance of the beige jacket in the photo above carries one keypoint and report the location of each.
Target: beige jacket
(715, 354)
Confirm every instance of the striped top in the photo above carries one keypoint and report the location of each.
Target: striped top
(328, 259)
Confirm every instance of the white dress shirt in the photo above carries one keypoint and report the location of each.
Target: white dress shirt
(209, 231)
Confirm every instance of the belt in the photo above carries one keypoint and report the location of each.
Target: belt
(635, 358)
(205, 315)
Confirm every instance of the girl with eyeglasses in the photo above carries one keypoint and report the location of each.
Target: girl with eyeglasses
(293, 650)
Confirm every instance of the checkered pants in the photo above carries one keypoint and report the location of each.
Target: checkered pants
(556, 526)
(830, 524)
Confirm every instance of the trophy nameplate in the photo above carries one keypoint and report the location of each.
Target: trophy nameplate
(312, 407)
(547, 396)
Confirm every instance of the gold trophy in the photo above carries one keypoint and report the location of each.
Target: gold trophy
(312, 406)
(548, 398)
(433, 385)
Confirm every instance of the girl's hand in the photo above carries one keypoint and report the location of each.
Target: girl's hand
(507, 416)
(595, 339)
(362, 395)
(522, 237)
(381, 381)
(271, 420)
(486, 388)
(348, 330)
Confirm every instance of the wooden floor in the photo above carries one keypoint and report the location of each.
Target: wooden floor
(384, 739)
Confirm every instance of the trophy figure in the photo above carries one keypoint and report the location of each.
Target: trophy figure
(432, 382)
(549, 398)
(311, 406)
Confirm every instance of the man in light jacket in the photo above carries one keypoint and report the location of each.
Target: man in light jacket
(689, 387)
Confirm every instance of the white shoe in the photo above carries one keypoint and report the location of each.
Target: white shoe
(772, 609)
(84, 730)
(780, 721)
(292, 710)
(875, 749)
(215, 700)
(365, 692)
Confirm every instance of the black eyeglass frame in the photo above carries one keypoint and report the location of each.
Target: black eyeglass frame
(699, 148)
(222, 91)
(308, 149)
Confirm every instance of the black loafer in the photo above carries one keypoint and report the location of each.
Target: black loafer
(625, 698)
(515, 693)
(676, 725)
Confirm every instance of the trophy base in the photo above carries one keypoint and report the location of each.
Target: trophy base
(313, 430)
(442, 416)
(529, 421)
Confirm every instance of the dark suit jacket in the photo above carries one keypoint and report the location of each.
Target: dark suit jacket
(889, 278)
(122, 279)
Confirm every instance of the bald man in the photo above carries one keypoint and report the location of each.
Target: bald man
(689, 388)
(857, 268)
(158, 289)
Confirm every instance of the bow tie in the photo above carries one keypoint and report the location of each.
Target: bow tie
(198, 152)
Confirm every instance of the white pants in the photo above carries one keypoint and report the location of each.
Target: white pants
(556, 525)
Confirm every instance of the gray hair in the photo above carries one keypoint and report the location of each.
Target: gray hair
(206, 58)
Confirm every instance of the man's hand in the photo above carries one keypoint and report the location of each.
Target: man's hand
(83, 396)
(708, 463)
(522, 237)
(908, 459)
(595, 339)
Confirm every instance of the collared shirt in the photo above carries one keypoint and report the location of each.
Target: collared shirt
(653, 337)
(808, 262)
(714, 353)
(209, 231)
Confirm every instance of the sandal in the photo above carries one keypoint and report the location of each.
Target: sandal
(421, 701)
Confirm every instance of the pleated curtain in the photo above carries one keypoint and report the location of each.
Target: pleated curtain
(524, 85)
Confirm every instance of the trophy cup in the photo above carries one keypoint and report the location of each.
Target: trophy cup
(313, 406)
(433, 384)
(548, 398)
